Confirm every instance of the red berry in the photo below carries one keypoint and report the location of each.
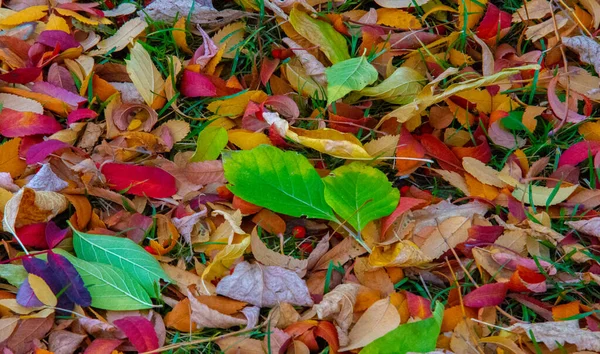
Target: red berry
(150, 250)
(299, 231)
(276, 139)
(404, 190)
(306, 247)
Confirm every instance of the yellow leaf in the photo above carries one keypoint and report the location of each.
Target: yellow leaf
(224, 259)
(125, 35)
(179, 35)
(401, 254)
(9, 158)
(331, 142)
(382, 147)
(214, 61)
(303, 83)
(41, 290)
(31, 13)
(57, 23)
(482, 172)
(144, 75)
(542, 196)
(436, 9)
(590, 131)
(235, 106)
(454, 179)
(457, 58)
(83, 19)
(427, 97)
(472, 11)
(397, 18)
(247, 140)
(231, 35)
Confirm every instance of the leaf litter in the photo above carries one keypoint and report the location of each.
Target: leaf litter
(299, 176)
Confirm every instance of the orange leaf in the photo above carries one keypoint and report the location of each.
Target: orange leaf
(397, 18)
(401, 304)
(408, 147)
(365, 298)
(102, 89)
(269, 221)
(478, 189)
(454, 315)
(48, 102)
(9, 158)
(563, 311)
(83, 211)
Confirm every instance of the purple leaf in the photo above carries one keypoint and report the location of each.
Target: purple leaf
(26, 297)
(53, 38)
(70, 279)
(140, 331)
(54, 234)
(194, 84)
(38, 152)
(58, 92)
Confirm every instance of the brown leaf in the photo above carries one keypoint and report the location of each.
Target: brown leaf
(235, 345)
(587, 226)
(271, 258)
(284, 315)
(448, 234)
(338, 305)
(29, 207)
(21, 341)
(341, 253)
(264, 286)
(7, 326)
(205, 172)
(553, 334)
(374, 278)
(378, 320)
(180, 317)
(64, 342)
(203, 316)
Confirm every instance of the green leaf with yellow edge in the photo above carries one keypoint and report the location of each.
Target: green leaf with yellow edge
(211, 142)
(284, 182)
(360, 194)
(347, 76)
(321, 34)
(399, 88)
(416, 337)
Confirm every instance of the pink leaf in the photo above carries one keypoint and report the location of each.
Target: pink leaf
(579, 152)
(140, 331)
(56, 38)
(194, 84)
(61, 77)
(404, 205)
(560, 109)
(267, 68)
(486, 295)
(60, 93)
(504, 138)
(18, 124)
(38, 152)
(81, 113)
(102, 346)
(283, 105)
(140, 180)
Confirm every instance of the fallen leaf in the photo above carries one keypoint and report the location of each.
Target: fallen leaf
(553, 334)
(140, 331)
(272, 258)
(378, 320)
(122, 38)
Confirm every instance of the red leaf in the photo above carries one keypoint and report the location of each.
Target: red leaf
(140, 180)
(194, 84)
(481, 152)
(404, 205)
(21, 75)
(560, 109)
(81, 113)
(579, 152)
(17, 124)
(39, 152)
(486, 295)
(418, 306)
(327, 331)
(267, 68)
(536, 305)
(102, 346)
(524, 279)
(493, 21)
(442, 153)
(140, 331)
(33, 235)
(344, 114)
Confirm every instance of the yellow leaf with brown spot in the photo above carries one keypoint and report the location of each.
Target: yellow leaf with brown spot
(401, 254)
(29, 14)
(9, 158)
(397, 18)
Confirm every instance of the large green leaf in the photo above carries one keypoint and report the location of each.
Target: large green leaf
(347, 76)
(110, 287)
(284, 182)
(321, 34)
(211, 141)
(400, 88)
(124, 254)
(14, 274)
(417, 337)
(360, 194)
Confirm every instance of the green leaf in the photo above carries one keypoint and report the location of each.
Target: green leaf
(321, 34)
(211, 142)
(360, 194)
(14, 274)
(110, 287)
(514, 121)
(284, 182)
(350, 75)
(417, 337)
(400, 88)
(121, 253)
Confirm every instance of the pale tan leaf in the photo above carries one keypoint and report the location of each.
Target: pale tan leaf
(539, 31)
(587, 226)
(378, 320)
(124, 35)
(484, 173)
(373, 277)
(144, 75)
(271, 258)
(454, 179)
(125, 8)
(7, 327)
(203, 316)
(235, 345)
(64, 342)
(382, 147)
(553, 334)
(21, 104)
(338, 305)
(587, 48)
(532, 10)
(284, 315)
(448, 234)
